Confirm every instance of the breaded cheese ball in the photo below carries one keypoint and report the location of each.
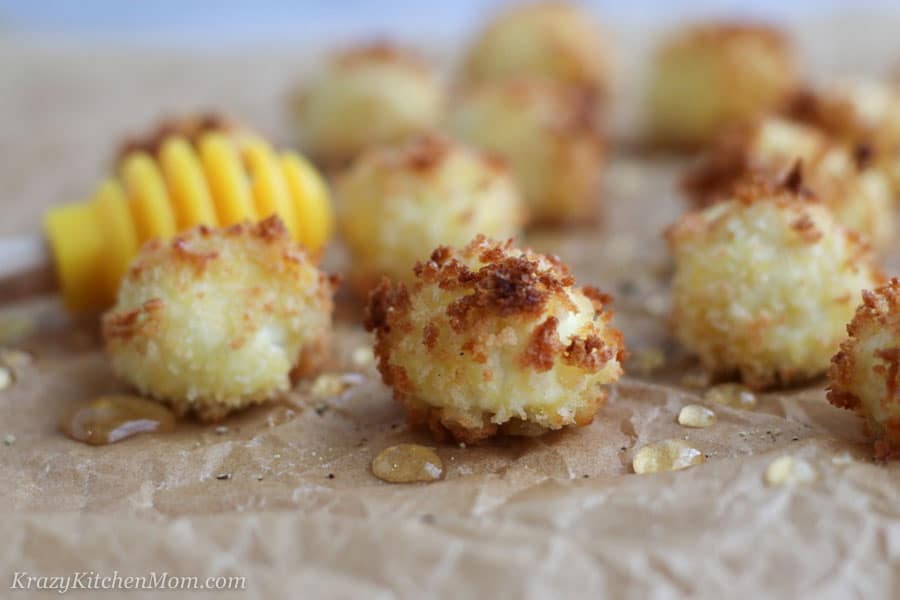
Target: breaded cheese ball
(711, 76)
(857, 193)
(548, 135)
(865, 373)
(863, 113)
(219, 319)
(763, 285)
(491, 339)
(557, 40)
(428, 192)
(366, 96)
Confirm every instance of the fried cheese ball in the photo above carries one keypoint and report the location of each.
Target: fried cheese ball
(556, 40)
(219, 319)
(857, 193)
(367, 96)
(548, 135)
(428, 192)
(764, 283)
(865, 373)
(864, 113)
(712, 76)
(491, 339)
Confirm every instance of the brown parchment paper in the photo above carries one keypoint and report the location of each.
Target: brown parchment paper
(301, 515)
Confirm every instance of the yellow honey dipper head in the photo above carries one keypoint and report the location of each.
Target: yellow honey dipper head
(188, 172)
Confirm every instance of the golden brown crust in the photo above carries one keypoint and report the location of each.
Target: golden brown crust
(189, 127)
(877, 312)
(509, 287)
(164, 309)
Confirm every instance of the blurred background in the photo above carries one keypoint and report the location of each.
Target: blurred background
(275, 22)
(75, 77)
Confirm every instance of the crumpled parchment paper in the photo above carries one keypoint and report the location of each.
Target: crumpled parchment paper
(301, 515)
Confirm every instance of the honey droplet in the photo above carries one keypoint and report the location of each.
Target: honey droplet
(694, 415)
(732, 394)
(667, 455)
(408, 463)
(108, 419)
(787, 470)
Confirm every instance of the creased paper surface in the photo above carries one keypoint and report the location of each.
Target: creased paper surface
(557, 516)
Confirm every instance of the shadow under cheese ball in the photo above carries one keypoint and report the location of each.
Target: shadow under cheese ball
(845, 180)
(396, 202)
(556, 40)
(865, 373)
(491, 339)
(765, 283)
(548, 133)
(219, 319)
(710, 76)
(365, 96)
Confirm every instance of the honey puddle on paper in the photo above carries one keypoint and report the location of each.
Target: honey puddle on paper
(408, 463)
(108, 419)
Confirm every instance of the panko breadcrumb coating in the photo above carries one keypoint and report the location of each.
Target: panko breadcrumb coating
(491, 339)
(858, 194)
(865, 373)
(556, 40)
(368, 95)
(711, 76)
(865, 114)
(219, 319)
(549, 136)
(764, 284)
(396, 201)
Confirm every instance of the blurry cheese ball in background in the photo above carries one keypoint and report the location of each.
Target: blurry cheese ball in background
(366, 96)
(710, 76)
(556, 40)
(864, 374)
(858, 193)
(397, 202)
(549, 137)
(218, 319)
(493, 339)
(764, 285)
(862, 113)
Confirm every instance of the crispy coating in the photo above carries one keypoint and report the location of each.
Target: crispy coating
(556, 40)
(858, 194)
(712, 76)
(219, 319)
(190, 127)
(367, 95)
(548, 134)
(862, 114)
(492, 340)
(764, 284)
(396, 202)
(865, 373)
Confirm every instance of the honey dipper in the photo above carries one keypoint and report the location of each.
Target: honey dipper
(193, 171)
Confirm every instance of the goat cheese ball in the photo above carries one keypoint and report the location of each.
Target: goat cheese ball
(215, 320)
(861, 113)
(490, 339)
(711, 76)
(556, 40)
(548, 135)
(764, 283)
(428, 192)
(366, 96)
(847, 183)
(865, 373)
